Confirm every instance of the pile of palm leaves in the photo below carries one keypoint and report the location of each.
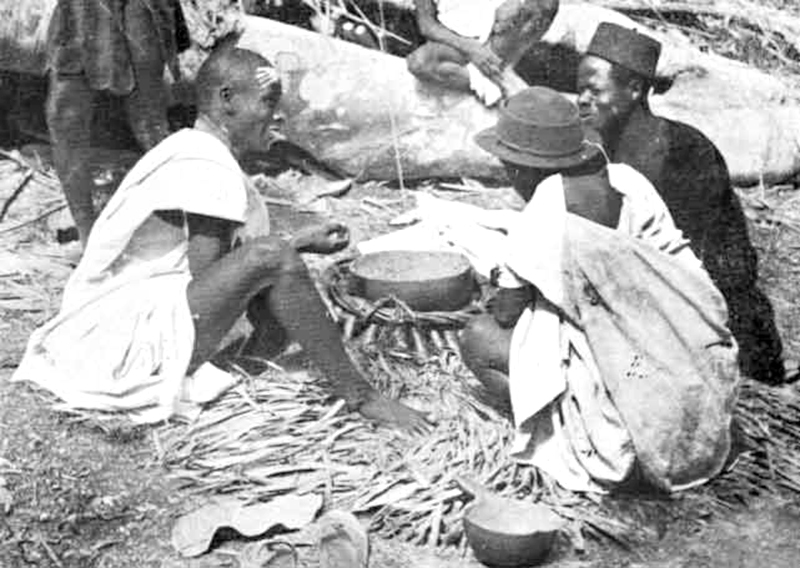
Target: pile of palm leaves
(279, 433)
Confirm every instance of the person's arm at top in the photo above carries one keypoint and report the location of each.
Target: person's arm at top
(433, 30)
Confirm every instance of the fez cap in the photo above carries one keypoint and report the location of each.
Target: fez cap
(635, 51)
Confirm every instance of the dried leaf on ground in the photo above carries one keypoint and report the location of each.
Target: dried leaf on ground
(292, 512)
(193, 532)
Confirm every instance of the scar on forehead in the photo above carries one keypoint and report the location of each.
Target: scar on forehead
(267, 76)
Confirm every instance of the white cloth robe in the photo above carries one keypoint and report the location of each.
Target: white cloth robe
(124, 336)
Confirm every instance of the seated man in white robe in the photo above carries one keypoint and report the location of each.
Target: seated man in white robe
(607, 334)
(162, 279)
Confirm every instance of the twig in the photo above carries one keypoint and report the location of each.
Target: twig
(457, 187)
(362, 18)
(50, 552)
(16, 193)
(34, 220)
(279, 202)
(392, 117)
(25, 163)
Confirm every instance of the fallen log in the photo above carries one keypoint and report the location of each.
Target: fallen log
(358, 110)
(751, 116)
(341, 99)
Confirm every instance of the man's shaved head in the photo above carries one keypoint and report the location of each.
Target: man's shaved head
(238, 92)
(226, 67)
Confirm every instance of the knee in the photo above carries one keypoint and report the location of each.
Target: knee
(476, 339)
(292, 264)
(418, 63)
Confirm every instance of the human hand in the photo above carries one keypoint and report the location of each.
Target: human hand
(322, 239)
(390, 412)
(508, 304)
(487, 61)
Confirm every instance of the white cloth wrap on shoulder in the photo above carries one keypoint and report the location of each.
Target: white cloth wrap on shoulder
(579, 358)
(594, 395)
(124, 336)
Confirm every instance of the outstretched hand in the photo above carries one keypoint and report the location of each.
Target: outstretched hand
(390, 412)
(322, 239)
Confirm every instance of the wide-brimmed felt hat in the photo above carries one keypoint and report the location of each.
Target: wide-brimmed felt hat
(626, 47)
(539, 128)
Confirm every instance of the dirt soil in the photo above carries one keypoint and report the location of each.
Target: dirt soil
(76, 493)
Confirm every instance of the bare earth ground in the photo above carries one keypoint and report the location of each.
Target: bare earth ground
(82, 494)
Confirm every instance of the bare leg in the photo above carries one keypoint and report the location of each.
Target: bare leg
(519, 24)
(218, 296)
(485, 347)
(269, 337)
(70, 103)
(222, 293)
(295, 303)
(440, 63)
(146, 105)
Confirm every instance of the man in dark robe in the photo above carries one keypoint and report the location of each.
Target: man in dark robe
(614, 79)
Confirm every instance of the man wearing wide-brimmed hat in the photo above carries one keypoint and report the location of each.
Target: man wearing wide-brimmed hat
(614, 79)
(617, 361)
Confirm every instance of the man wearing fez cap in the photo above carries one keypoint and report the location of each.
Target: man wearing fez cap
(614, 78)
(607, 335)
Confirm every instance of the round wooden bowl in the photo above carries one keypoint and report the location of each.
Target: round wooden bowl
(506, 532)
(424, 280)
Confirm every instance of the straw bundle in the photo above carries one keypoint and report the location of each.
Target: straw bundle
(281, 434)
